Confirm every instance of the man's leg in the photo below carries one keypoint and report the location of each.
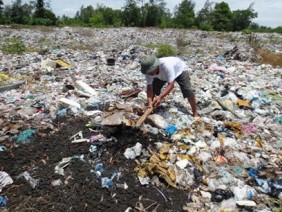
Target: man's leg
(193, 103)
(186, 88)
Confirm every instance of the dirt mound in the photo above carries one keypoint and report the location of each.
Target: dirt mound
(80, 188)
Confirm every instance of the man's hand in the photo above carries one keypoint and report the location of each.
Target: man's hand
(157, 101)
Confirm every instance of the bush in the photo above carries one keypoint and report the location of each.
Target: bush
(206, 27)
(165, 50)
(13, 46)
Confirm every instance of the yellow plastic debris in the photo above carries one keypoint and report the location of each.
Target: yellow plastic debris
(220, 138)
(183, 147)
(4, 76)
(154, 159)
(182, 157)
(259, 142)
(236, 127)
(168, 180)
(62, 63)
(171, 173)
(243, 103)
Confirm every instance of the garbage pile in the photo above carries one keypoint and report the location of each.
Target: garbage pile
(230, 157)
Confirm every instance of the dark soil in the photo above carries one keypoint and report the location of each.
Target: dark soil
(81, 190)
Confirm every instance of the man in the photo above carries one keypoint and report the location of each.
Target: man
(166, 70)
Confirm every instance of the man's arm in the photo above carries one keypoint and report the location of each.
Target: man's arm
(150, 95)
(164, 93)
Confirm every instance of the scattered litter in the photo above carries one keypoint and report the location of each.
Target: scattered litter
(3, 201)
(133, 152)
(26, 175)
(5, 180)
(229, 158)
(25, 136)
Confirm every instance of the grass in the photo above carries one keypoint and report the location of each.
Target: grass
(182, 44)
(165, 50)
(268, 57)
(13, 45)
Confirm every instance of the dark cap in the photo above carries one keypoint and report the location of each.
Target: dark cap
(149, 63)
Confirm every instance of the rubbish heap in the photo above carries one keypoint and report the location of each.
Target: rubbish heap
(230, 157)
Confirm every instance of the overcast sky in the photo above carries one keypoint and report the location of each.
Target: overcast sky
(269, 11)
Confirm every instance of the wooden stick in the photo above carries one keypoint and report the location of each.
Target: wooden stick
(144, 116)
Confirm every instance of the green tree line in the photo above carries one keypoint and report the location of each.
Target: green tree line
(137, 13)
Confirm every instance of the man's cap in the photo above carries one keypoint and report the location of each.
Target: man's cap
(149, 63)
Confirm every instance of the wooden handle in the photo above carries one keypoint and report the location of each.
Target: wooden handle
(144, 116)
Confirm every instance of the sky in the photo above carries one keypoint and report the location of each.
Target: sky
(269, 11)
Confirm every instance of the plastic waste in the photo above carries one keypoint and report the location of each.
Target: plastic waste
(246, 203)
(270, 186)
(33, 182)
(58, 182)
(228, 205)
(150, 129)
(86, 88)
(62, 112)
(244, 192)
(99, 170)
(59, 169)
(3, 201)
(108, 182)
(158, 121)
(170, 129)
(133, 152)
(5, 179)
(237, 170)
(215, 67)
(219, 195)
(278, 119)
(68, 102)
(204, 156)
(25, 136)
(182, 163)
(226, 178)
(3, 148)
(48, 65)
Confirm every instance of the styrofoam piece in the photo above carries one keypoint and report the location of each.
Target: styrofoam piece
(80, 140)
(69, 102)
(85, 87)
(182, 163)
(247, 203)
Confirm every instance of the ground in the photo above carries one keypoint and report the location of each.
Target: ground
(81, 190)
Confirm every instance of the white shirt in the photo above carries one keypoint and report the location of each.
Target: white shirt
(169, 69)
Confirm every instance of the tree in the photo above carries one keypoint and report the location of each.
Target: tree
(2, 21)
(154, 12)
(1, 5)
(203, 20)
(39, 12)
(221, 17)
(42, 15)
(131, 14)
(242, 18)
(184, 14)
(105, 16)
(86, 13)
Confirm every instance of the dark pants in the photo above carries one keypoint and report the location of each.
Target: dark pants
(183, 81)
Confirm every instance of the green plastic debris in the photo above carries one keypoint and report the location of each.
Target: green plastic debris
(25, 136)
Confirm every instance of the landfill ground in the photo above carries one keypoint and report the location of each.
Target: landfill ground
(70, 104)
(81, 190)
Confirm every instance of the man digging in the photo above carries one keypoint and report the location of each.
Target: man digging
(168, 70)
